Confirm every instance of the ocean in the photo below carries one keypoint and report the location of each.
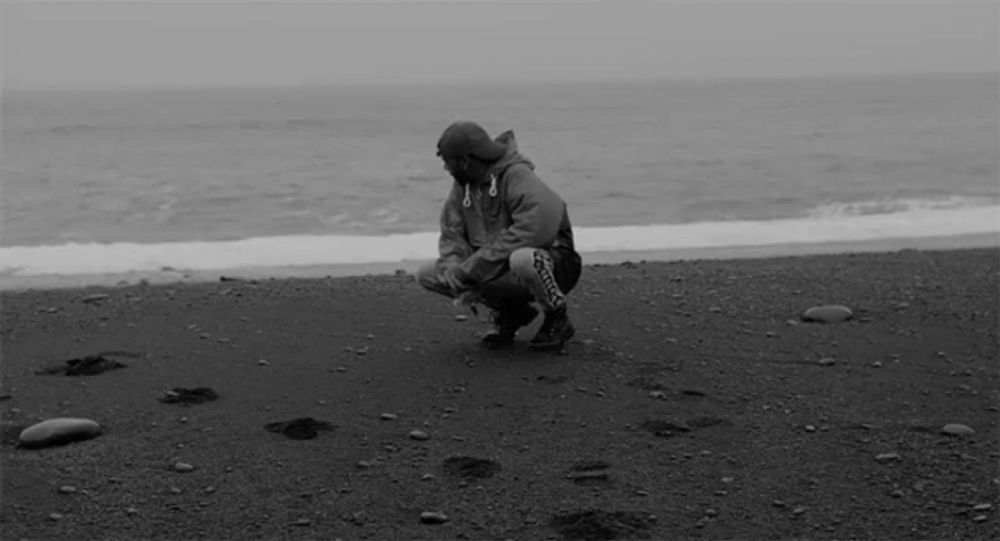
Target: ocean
(106, 181)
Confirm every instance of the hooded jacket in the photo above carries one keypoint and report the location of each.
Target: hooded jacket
(524, 213)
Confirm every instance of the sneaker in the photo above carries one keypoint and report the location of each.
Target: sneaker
(554, 332)
(506, 323)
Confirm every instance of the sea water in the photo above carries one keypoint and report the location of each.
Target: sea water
(111, 181)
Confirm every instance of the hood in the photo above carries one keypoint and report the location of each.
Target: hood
(512, 157)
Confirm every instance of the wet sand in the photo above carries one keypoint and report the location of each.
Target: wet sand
(691, 405)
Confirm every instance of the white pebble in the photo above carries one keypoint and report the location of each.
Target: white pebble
(956, 429)
(58, 430)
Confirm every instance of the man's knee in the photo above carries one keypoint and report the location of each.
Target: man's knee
(427, 276)
(522, 262)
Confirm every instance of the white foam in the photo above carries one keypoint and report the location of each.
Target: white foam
(288, 251)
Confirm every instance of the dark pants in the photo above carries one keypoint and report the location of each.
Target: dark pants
(535, 274)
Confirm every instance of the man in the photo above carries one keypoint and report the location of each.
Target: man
(506, 238)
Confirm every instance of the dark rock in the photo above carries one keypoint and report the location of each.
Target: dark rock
(430, 517)
(583, 477)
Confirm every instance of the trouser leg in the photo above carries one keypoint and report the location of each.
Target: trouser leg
(547, 274)
(535, 274)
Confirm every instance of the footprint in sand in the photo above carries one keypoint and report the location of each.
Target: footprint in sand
(470, 467)
(599, 524)
(90, 365)
(303, 428)
(198, 395)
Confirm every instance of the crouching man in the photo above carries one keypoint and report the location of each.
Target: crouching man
(506, 238)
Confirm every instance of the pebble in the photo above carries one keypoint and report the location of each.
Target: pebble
(389, 417)
(979, 518)
(132, 511)
(430, 517)
(57, 431)
(364, 464)
(183, 467)
(983, 507)
(419, 435)
(727, 480)
(66, 489)
(830, 313)
(303, 522)
(885, 457)
(827, 361)
(657, 394)
(461, 317)
(262, 362)
(799, 510)
(810, 428)
(896, 494)
(96, 297)
(956, 429)
(55, 516)
(711, 512)
(587, 475)
(778, 503)
(427, 477)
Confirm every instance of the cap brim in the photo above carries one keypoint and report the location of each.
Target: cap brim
(492, 151)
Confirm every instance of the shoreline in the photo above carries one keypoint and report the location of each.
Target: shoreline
(13, 283)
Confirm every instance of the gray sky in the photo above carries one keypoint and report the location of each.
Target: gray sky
(73, 44)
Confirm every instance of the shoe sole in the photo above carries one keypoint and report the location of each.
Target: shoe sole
(552, 347)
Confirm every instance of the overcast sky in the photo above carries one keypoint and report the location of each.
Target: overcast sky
(72, 44)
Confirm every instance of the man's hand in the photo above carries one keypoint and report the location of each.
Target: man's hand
(452, 277)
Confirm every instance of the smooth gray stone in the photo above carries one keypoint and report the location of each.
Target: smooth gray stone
(58, 431)
(830, 313)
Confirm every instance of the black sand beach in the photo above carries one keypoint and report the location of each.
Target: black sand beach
(692, 404)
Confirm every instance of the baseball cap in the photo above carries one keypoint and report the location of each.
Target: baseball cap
(465, 138)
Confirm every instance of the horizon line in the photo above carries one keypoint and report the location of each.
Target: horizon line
(498, 81)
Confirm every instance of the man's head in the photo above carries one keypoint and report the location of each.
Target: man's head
(468, 152)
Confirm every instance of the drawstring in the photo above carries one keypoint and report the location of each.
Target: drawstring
(467, 202)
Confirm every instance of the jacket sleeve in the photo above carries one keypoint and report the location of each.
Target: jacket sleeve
(536, 213)
(453, 244)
